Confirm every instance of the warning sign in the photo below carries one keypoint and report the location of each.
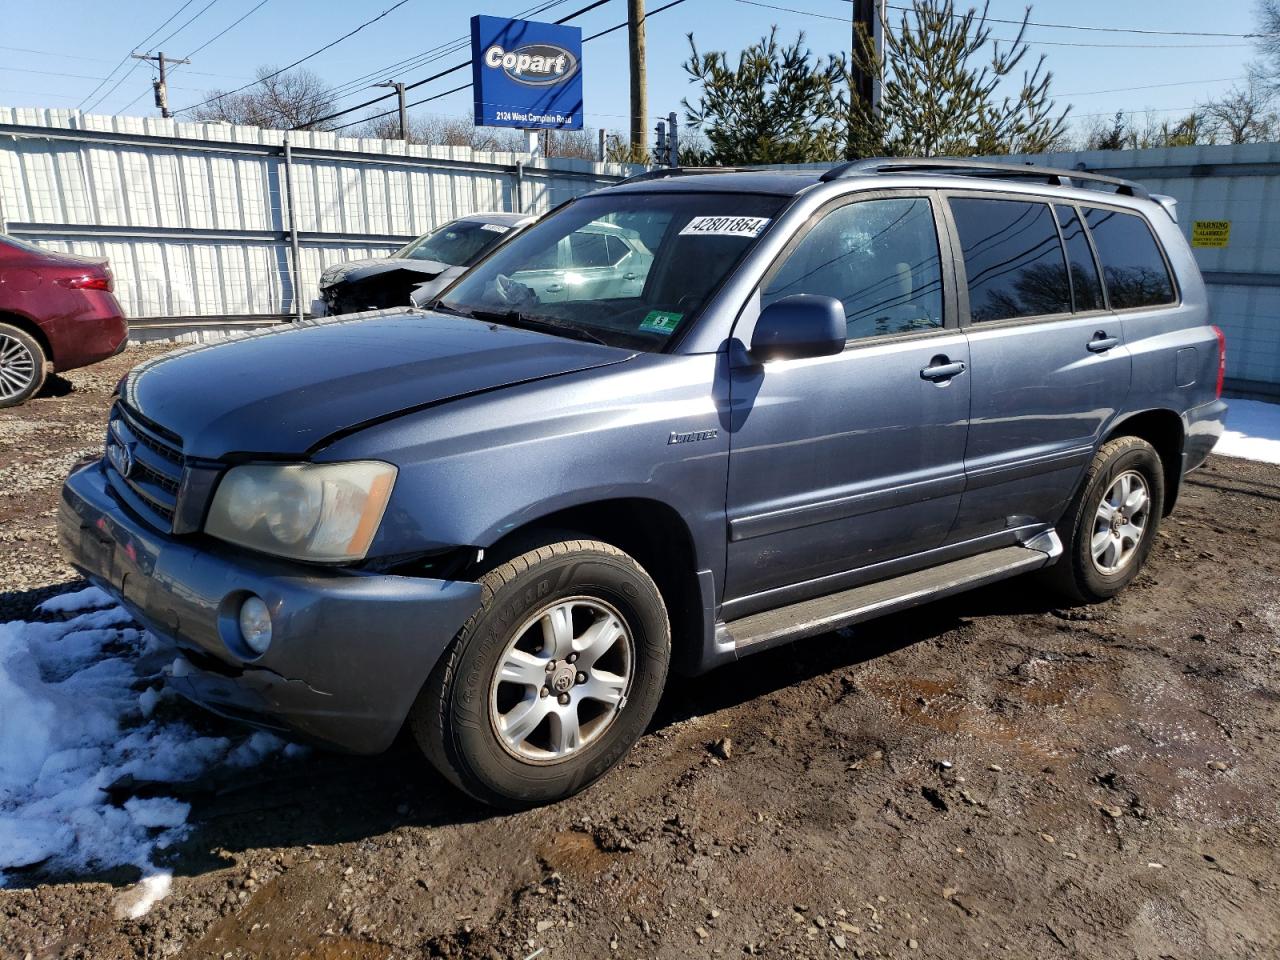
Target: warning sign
(1210, 233)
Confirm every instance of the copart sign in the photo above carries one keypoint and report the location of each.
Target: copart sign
(526, 74)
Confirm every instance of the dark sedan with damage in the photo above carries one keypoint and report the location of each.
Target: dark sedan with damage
(417, 271)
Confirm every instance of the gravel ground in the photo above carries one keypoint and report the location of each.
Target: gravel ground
(990, 776)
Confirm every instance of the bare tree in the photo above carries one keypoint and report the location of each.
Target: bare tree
(277, 102)
(1268, 68)
(1131, 132)
(1245, 114)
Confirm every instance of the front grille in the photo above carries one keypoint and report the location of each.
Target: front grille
(144, 466)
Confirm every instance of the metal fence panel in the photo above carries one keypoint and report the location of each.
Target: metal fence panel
(195, 217)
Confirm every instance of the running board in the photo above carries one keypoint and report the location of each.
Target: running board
(823, 614)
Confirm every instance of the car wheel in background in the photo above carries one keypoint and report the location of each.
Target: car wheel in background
(552, 681)
(1110, 525)
(22, 366)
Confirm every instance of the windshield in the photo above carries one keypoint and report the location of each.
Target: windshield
(627, 269)
(455, 244)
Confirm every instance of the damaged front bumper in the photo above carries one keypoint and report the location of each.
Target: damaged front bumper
(349, 650)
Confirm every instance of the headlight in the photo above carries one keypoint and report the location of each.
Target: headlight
(307, 511)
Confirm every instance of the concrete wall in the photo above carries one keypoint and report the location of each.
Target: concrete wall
(195, 217)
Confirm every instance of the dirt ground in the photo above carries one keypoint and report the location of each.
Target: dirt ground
(990, 776)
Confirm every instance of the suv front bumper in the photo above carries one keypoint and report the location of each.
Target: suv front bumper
(349, 651)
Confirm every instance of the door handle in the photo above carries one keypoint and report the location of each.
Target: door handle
(554, 287)
(628, 276)
(941, 369)
(1101, 343)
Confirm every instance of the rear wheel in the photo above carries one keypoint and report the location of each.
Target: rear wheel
(1110, 526)
(552, 681)
(22, 366)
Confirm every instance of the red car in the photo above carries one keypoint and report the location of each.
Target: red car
(55, 308)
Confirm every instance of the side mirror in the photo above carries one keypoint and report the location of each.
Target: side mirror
(798, 326)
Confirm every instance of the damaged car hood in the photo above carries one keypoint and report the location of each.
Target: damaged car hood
(354, 271)
(288, 389)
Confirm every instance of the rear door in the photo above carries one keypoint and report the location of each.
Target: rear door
(1050, 366)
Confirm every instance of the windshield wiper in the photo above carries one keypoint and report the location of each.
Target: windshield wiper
(514, 318)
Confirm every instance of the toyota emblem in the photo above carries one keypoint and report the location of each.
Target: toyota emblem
(121, 457)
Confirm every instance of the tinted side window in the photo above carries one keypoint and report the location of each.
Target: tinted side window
(1012, 259)
(589, 250)
(1135, 271)
(1084, 272)
(878, 257)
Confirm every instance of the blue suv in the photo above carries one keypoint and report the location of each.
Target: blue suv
(676, 421)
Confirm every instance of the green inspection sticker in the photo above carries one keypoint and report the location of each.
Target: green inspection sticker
(660, 321)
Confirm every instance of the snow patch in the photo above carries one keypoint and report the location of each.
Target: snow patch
(90, 598)
(80, 711)
(1253, 431)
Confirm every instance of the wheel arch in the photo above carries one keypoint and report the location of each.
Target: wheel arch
(29, 327)
(653, 533)
(1164, 430)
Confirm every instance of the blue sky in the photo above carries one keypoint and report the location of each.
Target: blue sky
(76, 43)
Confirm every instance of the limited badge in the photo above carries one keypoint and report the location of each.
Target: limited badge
(724, 227)
(660, 321)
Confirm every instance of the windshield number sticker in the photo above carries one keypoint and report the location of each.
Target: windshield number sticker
(725, 227)
(493, 227)
(660, 321)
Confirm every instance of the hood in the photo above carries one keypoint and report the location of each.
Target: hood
(356, 270)
(285, 391)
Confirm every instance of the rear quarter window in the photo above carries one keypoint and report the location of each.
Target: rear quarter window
(1133, 268)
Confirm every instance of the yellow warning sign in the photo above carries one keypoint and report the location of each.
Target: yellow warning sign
(1210, 233)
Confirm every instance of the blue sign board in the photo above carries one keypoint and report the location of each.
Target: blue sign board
(526, 74)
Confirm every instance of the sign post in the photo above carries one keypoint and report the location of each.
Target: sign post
(526, 75)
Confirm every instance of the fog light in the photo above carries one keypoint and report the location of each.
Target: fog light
(255, 625)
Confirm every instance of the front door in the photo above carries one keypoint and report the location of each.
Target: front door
(842, 461)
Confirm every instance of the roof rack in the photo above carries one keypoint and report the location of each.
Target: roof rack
(983, 168)
(662, 173)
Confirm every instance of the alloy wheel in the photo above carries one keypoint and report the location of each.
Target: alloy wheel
(1120, 522)
(17, 367)
(562, 680)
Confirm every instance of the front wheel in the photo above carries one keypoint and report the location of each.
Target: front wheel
(552, 681)
(1110, 526)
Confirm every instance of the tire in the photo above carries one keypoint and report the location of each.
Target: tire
(22, 366)
(470, 722)
(1083, 577)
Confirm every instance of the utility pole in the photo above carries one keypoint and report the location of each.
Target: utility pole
(160, 85)
(864, 17)
(404, 112)
(639, 91)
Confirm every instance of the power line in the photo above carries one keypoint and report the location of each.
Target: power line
(1151, 86)
(1076, 26)
(233, 24)
(1029, 42)
(314, 53)
(200, 13)
(427, 56)
(416, 103)
(125, 58)
(435, 76)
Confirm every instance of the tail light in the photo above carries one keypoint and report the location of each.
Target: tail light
(88, 281)
(1222, 356)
